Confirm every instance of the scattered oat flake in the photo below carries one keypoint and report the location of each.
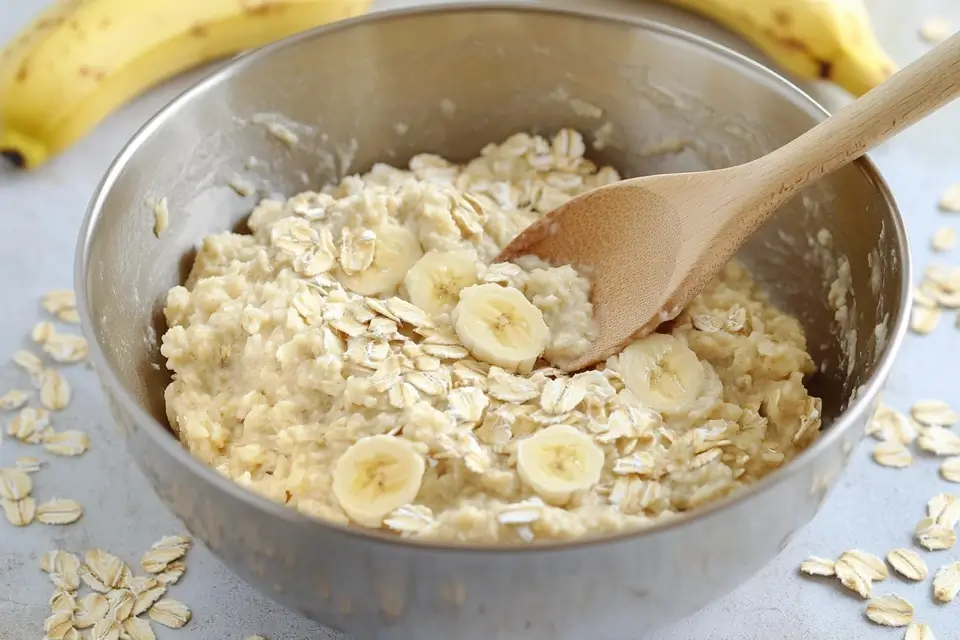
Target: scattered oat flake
(148, 598)
(936, 30)
(890, 611)
(924, 320)
(29, 362)
(934, 413)
(817, 566)
(934, 536)
(918, 631)
(908, 564)
(105, 629)
(944, 239)
(939, 441)
(21, 512)
(892, 453)
(29, 424)
(29, 464)
(67, 443)
(946, 582)
(889, 424)
(42, 332)
(851, 577)
(71, 316)
(91, 580)
(170, 613)
(944, 508)
(173, 572)
(867, 563)
(55, 391)
(950, 469)
(91, 609)
(57, 625)
(54, 301)
(59, 511)
(161, 217)
(950, 200)
(13, 399)
(139, 584)
(138, 629)
(14, 484)
(62, 602)
(66, 348)
(163, 552)
(121, 603)
(106, 567)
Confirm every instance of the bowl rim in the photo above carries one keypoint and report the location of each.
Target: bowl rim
(163, 438)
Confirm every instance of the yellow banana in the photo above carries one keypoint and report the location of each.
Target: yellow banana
(81, 59)
(813, 39)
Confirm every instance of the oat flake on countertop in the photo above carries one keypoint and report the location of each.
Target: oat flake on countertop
(14, 484)
(918, 631)
(852, 578)
(890, 611)
(59, 511)
(817, 566)
(944, 508)
(934, 413)
(950, 200)
(946, 582)
(892, 453)
(55, 391)
(170, 613)
(950, 469)
(939, 441)
(934, 536)
(944, 239)
(21, 512)
(923, 320)
(138, 629)
(13, 399)
(66, 443)
(908, 564)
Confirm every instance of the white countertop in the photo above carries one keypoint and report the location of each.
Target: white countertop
(872, 508)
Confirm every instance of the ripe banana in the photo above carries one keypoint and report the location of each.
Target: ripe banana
(396, 250)
(557, 461)
(81, 59)
(499, 326)
(435, 282)
(376, 475)
(662, 372)
(813, 39)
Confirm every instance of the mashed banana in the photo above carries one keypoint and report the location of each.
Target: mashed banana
(359, 358)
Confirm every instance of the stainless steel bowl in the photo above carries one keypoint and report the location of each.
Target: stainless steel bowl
(449, 80)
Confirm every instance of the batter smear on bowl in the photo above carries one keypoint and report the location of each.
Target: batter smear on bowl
(360, 359)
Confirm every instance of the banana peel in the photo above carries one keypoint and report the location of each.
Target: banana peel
(82, 59)
(830, 40)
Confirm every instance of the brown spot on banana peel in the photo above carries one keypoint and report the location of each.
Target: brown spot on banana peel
(104, 23)
(782, 17)
(22, 73)
(199, 30)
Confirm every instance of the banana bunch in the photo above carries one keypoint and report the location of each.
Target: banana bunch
(812, 39)
(81, 59)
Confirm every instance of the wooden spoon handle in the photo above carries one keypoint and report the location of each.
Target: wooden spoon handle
(916, 91)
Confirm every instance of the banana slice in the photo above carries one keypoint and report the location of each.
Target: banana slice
(435, 282)
(499, 326)
(375, 476)
(662, 372)
(557, 461)
(396, 250)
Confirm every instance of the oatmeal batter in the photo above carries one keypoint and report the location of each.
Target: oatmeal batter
(360, 359)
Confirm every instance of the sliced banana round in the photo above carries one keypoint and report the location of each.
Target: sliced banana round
(662, 372)
(435, 282)
(396, 250)
(557, 461)
(376, 475)
(500, 326)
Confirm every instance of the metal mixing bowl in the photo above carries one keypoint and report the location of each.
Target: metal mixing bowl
(449, 80)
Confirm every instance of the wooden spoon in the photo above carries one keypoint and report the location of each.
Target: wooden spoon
(651, 244)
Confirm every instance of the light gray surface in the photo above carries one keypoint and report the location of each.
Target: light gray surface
(873, 508)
